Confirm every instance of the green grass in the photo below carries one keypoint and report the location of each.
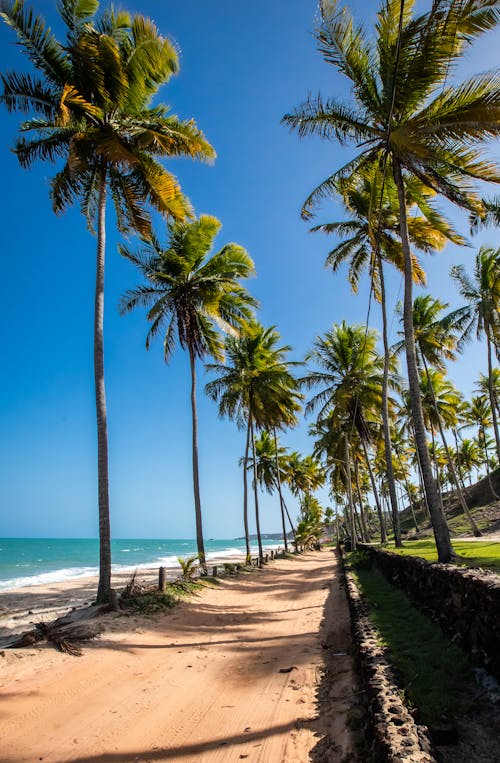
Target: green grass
(433, 673)
(484, 554)
(152, 601)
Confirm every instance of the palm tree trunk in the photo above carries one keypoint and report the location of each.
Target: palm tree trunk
(289, 517)
(492, 398)
(365, 533)
(196, 476)
(451, 467)
(383, 535)
(459, 464)
(256, 492)
(349, 493)
(385, 412)
(245, 495)
(421, 482)
(278, 479)
(440, 529)
(104, 592)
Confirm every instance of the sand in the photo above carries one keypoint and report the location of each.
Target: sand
(234, 673)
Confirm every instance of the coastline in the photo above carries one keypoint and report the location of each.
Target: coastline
(23, 606)
(234, 672)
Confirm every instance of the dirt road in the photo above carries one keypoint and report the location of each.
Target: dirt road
(234, 673)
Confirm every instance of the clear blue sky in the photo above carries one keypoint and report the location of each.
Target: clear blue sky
(243, 65)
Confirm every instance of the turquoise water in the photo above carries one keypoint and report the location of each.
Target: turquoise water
(32, 561)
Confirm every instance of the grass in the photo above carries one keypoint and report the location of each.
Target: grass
(485, 554)
(432, 672)
(151, 601)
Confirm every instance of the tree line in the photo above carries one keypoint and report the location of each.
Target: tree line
(88, 107)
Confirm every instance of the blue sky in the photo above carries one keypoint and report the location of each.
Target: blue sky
(242, 67)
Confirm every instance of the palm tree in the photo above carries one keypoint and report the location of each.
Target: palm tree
(90, 108)
(269, 456)
(192, 295)
(436, 339)
(256, 388)
(413, 124)
(350, 376)
(482, 293)
(370, 237)
(478, 414)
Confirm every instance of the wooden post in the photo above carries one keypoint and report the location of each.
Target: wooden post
(162, 578)
(266, 558)
(214, 572)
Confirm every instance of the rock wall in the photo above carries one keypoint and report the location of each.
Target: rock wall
(465, 602)
(395, 735)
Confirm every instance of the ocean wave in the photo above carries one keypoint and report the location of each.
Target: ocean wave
(170, 561)
(45, 578)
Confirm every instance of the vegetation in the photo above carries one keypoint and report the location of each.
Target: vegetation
(413, 126)
(192, 297)
(432, 672)
(380, 440)
(90, 106)
(470, 553)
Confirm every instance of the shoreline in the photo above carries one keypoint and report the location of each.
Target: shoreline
(23, 606)
(237, 671)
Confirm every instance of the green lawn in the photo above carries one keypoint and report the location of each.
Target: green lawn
(433, 673)
(471, 553)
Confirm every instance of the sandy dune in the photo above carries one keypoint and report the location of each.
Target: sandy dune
(202, 683)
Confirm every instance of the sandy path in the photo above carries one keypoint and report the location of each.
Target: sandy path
(201, 684)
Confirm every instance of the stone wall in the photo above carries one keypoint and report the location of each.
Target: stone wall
(465, 602)
(394, 734)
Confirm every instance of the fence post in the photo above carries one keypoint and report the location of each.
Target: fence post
(162, 578)
(214, 572)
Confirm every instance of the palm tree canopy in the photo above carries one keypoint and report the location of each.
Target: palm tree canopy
(191, 295)
(256, 378)
(405, 110)
(436, 335)
(440, 400)
(349, 373)
(373, 226)
(91, 107)
(482, 294)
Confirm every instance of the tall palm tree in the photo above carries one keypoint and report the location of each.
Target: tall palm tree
(370, 237)
(192, 295)
(256, 388)
(441, 401)
(478, 414)
(268, 456)
(482, 293)
(89, 107)
(350, 376)
(414, 124)
(436, 339)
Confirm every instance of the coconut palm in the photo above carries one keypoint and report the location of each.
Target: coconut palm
(350, 376)
(370, 237)
(192, 295)
(478, 413)
(436, 339)
(415, 125)
(268, 455)
(482, 293)
(89, 106)
(255, 387)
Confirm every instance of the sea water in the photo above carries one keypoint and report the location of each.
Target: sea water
(36, 561)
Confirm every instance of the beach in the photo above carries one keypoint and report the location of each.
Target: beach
(236, 672)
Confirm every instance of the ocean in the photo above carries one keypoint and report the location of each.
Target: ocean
(35, 561)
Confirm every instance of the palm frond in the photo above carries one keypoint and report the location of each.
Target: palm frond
(37, 41)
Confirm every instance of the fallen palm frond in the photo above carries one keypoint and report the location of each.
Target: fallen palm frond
(65, 633)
